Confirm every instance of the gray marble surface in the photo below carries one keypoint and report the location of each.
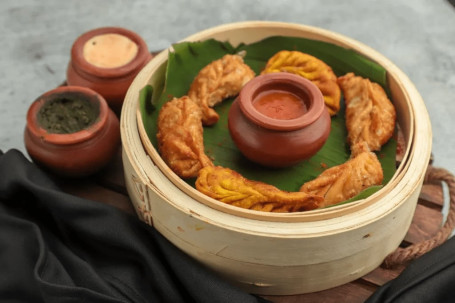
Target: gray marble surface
(418, 36)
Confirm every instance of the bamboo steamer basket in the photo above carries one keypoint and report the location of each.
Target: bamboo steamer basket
(278, 254)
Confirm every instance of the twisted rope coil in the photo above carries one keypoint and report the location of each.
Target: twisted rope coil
(402, 256)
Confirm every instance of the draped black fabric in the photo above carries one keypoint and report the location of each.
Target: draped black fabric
(431, 278)
(55, 247)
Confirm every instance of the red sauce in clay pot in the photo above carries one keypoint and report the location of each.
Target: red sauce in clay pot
(71, 131)
(107, 60)
(279, 119)
(280, 105)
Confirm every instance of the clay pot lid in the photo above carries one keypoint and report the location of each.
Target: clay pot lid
(284, 81)
(80, 63)
(71, 138)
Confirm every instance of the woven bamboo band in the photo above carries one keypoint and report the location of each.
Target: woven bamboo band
(402, 256)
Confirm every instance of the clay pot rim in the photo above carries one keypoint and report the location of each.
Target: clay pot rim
(72, 138)
(315, 109)
(83, 66)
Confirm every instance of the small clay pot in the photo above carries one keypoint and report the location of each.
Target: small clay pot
(279, 141)
(107, 60)
(79, 153)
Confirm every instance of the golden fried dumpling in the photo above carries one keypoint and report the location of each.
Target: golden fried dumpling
(310, 68)
(218, 80)
(230, 187)
(370, 116)
(180, 137)
(342, 182)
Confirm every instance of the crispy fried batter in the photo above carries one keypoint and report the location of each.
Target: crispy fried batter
(232, 188)
(310, 68)
(345, 181)
(220, 79)
(180, 137)
(370, 116)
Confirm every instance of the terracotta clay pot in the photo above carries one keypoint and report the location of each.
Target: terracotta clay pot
(76, 154)
(276, 141)
(107, 60)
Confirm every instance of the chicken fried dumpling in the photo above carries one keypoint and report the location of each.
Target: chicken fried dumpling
(342, 182)
(228, 186)
(370, 115)
(180, 137)
(220, 79)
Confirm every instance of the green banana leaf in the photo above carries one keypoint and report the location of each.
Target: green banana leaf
(188, 58)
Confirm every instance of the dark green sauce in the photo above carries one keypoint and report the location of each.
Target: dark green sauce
(67, 115)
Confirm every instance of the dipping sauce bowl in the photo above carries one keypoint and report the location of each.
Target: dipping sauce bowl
(71, 131)
(279, 120)
(107, 60)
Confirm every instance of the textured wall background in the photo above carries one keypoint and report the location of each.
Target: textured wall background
(418, 36)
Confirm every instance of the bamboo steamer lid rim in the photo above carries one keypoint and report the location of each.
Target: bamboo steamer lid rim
(305, 224)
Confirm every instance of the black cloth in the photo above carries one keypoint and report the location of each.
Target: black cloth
(55, 247)
(431, 278)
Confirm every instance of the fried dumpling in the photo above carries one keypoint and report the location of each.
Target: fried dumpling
(370, 115)
(342, 182)
(228, 186)
(218, 80)
(180, 137)
(311, 68)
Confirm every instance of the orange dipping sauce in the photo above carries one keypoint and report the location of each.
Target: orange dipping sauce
(280, 105)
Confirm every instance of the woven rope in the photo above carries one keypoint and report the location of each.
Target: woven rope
(402, 256)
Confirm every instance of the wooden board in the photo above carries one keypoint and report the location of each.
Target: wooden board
(108, 187)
